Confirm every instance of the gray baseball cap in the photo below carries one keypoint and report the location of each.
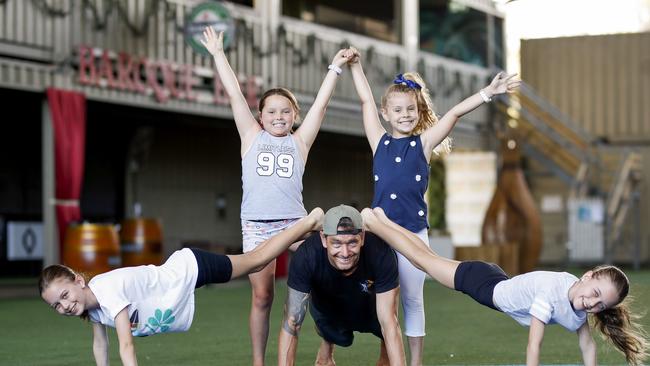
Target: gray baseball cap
(334, 215)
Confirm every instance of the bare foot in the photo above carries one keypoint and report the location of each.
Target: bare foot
(316, 217)
(369, 218)
(379, 212)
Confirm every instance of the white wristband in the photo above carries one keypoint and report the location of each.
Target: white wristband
(486, 99)
(335, 68)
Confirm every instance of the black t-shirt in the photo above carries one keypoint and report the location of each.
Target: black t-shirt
(347, 300)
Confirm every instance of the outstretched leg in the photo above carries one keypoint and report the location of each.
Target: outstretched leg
(256, 260)
(412, 247)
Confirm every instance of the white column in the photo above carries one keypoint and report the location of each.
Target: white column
(270, 11)
(411, 32)
(491, 45)
(50, 232)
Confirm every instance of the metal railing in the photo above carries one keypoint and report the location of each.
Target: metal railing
(294, 55)
(597, 170)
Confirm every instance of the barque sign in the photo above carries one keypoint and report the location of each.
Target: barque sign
(163, 79)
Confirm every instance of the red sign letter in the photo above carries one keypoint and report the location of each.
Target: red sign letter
(152, 80)
(86, 64)
(187, 81)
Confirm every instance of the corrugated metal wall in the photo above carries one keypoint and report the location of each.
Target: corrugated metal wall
(602, 83)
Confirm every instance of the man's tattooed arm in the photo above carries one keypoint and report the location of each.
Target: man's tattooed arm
(295, 310)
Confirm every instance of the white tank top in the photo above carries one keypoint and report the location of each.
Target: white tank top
(272, 172)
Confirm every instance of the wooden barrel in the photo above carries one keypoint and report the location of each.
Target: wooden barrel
(91, 248)
(141, 242)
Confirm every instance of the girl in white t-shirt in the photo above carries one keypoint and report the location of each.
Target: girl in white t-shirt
(147, 300)
(533, 299)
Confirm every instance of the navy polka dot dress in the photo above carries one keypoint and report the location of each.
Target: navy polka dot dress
(401, 176)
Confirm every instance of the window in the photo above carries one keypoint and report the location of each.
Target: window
(380, 20)
(454, 30)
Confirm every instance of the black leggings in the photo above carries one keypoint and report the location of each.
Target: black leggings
(478, 279)
(213, 268)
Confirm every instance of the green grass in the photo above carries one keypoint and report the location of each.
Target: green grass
(459, 332)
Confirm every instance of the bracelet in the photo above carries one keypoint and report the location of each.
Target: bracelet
(486, 99)
(335, 68)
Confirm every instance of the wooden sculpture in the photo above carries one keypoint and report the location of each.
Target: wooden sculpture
(512, 220)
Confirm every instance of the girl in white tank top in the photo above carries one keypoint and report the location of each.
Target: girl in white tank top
(273, 161)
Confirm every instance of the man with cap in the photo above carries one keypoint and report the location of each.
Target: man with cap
(349, 279)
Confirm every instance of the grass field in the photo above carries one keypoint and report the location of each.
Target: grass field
(459, 332)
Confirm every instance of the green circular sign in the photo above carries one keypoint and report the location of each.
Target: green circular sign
(212, 14)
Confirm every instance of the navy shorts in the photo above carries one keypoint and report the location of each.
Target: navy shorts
(213, 268)
(478, 279)
(338, 333)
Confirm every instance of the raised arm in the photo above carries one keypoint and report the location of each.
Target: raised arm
(371, 123)
(247, 125)
(432, 136)
(390, 329)
(125, 338)
(295, 310)
(535, 337)
(100, 344)
(587, 345)
(312, 122)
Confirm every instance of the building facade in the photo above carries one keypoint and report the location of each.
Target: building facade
(160, 139)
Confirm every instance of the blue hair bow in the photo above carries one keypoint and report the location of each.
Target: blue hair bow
(399, 79)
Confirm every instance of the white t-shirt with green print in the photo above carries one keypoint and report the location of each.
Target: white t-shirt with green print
(160, 299)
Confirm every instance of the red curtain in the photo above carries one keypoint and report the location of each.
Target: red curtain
(68, 111)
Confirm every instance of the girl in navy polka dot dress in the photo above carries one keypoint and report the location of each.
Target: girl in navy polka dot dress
(401, 166)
